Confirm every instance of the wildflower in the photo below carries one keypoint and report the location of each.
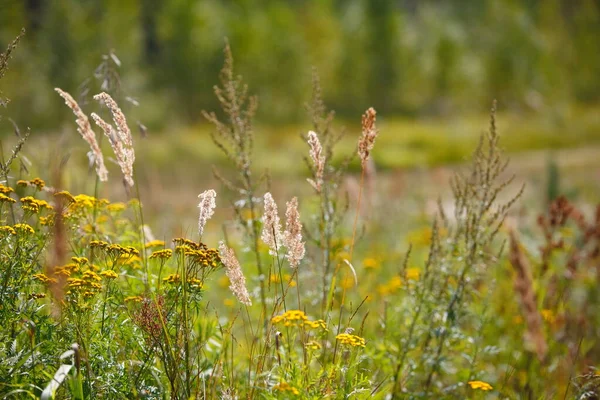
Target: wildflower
(313, 345)
(207, 208)
(285, 387)
(90, 277)
(34, 205)
(271, 233)
(120, 140)
(187, 242)
(35, 296)
(8, 229)
(133, 299)
(318, 157)
(162, 254)
(290, 318)
(318, 324)
(292, 237)
(5, 189)
(46, 221)
(65, 194)
(195, 282)
(24, 228)
(43, 278)
(155, 243)
(548, 316)
(480, 385)
(85, 130)
(369, 134)
(116, 207)
(413, 274)
(370, 263)
(235, 274)
(172, 278)
(80, 260)
(6, 199)
(109, 274)
(351, 340)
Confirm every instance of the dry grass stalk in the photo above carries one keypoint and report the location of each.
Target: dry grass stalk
(235, 274)
(120, 139)
(271, 233)
(85, 130)
(524, 287)
(318, 157)
(207, 208)
(292, 237)
(369, 134)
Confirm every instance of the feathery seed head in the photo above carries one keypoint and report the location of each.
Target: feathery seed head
(207, 208)
(292, 237)
(235, 274)
(85, 130)
(120, 139)
(271, 233)
(318, 157)
(369, 134)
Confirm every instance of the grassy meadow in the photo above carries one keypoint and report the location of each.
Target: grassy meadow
(391, 259)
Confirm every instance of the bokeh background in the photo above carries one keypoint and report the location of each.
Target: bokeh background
(430, 68)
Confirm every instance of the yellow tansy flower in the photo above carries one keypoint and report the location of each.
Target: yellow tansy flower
(351, 340)
(480, 385)
(109, 274)
(155, 243)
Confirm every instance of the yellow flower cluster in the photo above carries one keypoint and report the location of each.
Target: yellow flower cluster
(134, 299)
(480, 385)
(351, 340)
(285, 387)
(195, 282)
(24, 228)
(162, 254)
(274, 278)
(109, 274)
(413, 274)
(391, 287)
(80, 260)
(8, 229)
(313, 345)
(67, 269)
(5, 189)
(116, 207)
(37, 182)
(205, 258)
(298, 318)
(43, 278)
(371, 263)
(172, 278)
(88, 284)
(155, 243)
(290, 318)
(6, 199)
(115, 250)
(65, 195)
(318, 324)
(34, 205)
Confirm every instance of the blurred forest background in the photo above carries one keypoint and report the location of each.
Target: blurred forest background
(403, 57)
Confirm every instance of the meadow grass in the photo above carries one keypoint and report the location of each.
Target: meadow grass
(334, 298)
